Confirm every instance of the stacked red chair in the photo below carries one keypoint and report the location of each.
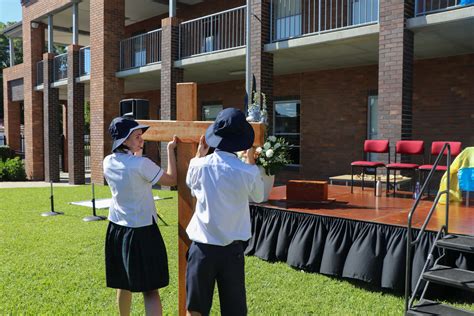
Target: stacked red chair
(405, 147)
(370, 146)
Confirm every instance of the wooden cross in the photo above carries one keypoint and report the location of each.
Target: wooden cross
(188, 130)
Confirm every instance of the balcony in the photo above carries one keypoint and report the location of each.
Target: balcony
(292, 19)
(216, 32)
(140, 50)
(424, 7)
(60, 67)
(85, 61)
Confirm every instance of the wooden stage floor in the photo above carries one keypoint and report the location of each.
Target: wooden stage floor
(364, 206)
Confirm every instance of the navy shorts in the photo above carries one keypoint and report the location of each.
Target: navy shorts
(208, 264)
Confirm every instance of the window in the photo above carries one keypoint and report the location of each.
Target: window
(287, 19)
(209, 112)
(286, 124)
(364, 11)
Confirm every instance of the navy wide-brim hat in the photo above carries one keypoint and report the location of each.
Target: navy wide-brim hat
(120, 129)
(230, 131)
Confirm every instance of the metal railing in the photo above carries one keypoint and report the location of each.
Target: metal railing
(444, 229)
(423, 7)
(39, 73)
(140, 50)
(85, 61)
(60, 67)
(295, 18)
(215, 32)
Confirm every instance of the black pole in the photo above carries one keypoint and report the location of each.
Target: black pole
(94, 216)
(51, 198)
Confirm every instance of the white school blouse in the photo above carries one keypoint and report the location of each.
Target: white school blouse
(130, 179)
(222, 185)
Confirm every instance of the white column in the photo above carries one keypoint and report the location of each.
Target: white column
(75, 23)
(12, 52)
(248, 65)
(172, 8)
(50, 34)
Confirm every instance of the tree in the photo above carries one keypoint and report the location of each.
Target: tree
(5, 57)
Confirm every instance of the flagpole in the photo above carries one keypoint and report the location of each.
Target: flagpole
(248, 66)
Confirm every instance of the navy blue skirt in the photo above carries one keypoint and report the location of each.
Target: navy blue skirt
(135, 258)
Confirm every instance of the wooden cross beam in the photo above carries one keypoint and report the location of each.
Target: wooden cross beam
(188, 130)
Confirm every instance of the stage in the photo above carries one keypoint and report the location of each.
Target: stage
(357, 235)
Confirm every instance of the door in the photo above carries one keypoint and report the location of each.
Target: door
(372, 122)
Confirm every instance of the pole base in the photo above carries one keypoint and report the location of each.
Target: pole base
(53, 213)
(94, 218)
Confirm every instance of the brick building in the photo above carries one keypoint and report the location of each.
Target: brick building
(335, 73)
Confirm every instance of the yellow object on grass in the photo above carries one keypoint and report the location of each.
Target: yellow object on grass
(464, 160)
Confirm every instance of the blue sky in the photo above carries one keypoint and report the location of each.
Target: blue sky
(10, 10)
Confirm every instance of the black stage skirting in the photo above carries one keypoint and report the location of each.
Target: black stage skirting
(371, 252)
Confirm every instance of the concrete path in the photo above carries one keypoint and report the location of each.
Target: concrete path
(64, 178)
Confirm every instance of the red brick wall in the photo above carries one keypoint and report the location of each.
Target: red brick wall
(106, 90)
(11, 109)
(443, 100)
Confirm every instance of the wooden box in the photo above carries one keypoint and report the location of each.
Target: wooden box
(307, 190)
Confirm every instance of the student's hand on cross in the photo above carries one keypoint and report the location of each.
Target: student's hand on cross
(172, 144)
(251, 156)
(203, 148)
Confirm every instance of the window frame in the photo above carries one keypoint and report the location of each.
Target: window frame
(288, 134)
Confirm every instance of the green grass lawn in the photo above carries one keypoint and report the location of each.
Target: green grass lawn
(55, 265)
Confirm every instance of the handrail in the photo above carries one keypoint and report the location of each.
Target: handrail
(411, 243)
(212, 15)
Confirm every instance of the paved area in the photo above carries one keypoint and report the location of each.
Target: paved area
(64, 178)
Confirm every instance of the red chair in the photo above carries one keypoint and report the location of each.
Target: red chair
(370, 146)
(405, 147)
(436, 148)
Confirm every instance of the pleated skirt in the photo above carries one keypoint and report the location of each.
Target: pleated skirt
(135, 258)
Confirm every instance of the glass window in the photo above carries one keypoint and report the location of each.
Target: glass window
(286, 124)
(209, 112)
(364, 11)
(287, 19)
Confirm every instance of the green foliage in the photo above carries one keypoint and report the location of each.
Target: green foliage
(14, 170)
(87, 118)
(2, 170)
(5, 48)
(274, 155)
(6, 153)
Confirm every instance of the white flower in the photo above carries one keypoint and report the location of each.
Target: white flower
(262, 160)
(269, 153)
(258, 150)
(266, 146)
(272, 138)
(277, 145)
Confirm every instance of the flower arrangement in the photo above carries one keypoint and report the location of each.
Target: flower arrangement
(274, 155)
(257, 111)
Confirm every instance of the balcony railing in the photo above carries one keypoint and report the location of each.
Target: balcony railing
(215, 32)
(60, 67)
(140, 50)
(85, 61)
(295, 18)
(423, 7)
(39, 73)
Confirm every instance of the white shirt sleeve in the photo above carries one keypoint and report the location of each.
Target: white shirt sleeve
(150, 171)
(256, 188)
(191, 176)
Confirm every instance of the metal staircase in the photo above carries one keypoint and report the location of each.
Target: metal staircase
(433, 271)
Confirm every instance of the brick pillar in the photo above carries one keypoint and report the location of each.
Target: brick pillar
(107, 20)
(395, 71)
(33, 44)
(64, 166)
(75, 119)
(170, 75)
(262, 62)
(12, 117)
(52, 128)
